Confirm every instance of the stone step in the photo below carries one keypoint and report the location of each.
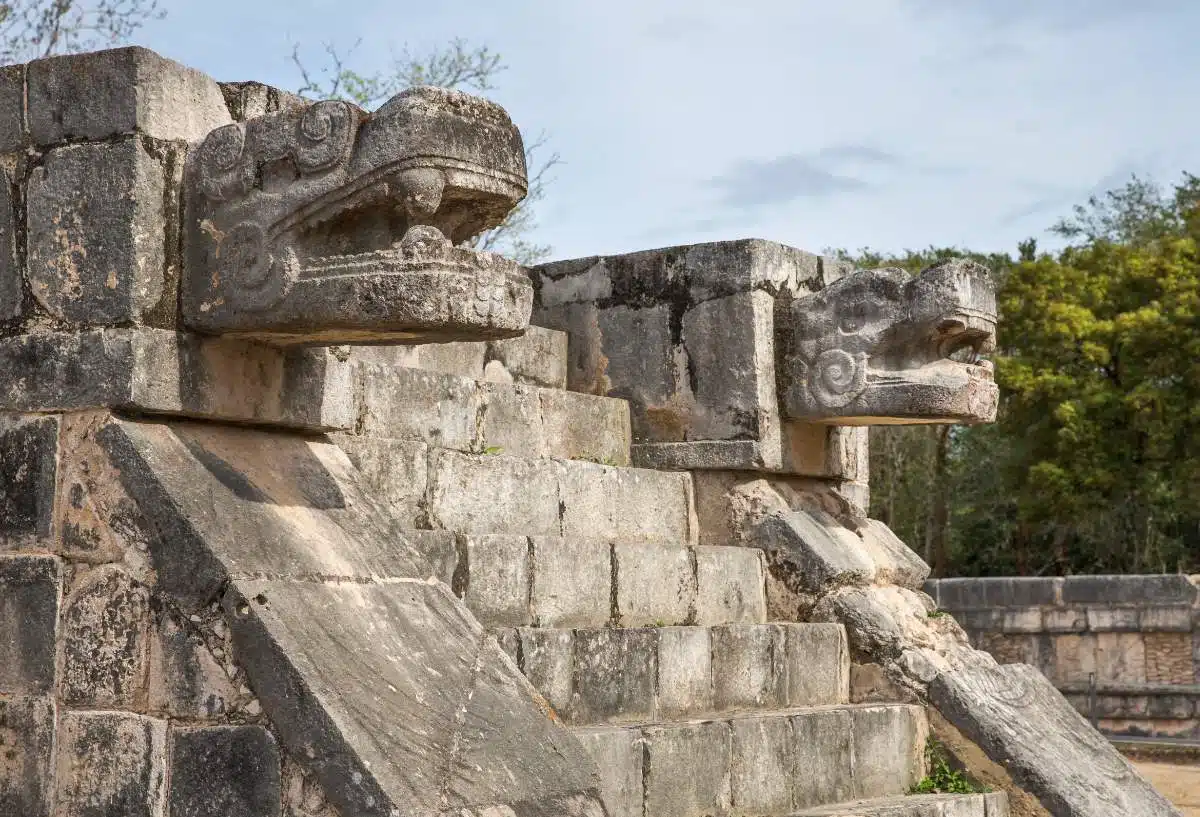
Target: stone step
(537, 358)
(993, 804)
(763, 764)
(465, 414)
(431, 487)
(551, 581)
(612, 675)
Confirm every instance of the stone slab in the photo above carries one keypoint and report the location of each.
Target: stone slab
(27, 726)
(499, 575)
(655, 585)
(161, 372)
(30, 596)
(730, 585)
(102, 94)
(618, 753)
(231, 771)
(918, 805)
(1015, 715)
(689, 769)
(28, 480)
(110, 764)
(572, 582)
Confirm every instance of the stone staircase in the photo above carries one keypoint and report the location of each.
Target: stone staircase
(656, 651)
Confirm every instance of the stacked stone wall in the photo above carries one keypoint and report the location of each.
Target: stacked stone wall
(1124, 649)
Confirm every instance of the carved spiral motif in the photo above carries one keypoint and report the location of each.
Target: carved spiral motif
(836, 377)
(252, 277)
(225, 170)
(324, 136)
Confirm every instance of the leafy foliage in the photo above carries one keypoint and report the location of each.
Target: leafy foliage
(39, 28)
(458, 65)
(942, 777)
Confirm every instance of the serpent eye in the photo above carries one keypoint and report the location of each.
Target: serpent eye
(852, 321)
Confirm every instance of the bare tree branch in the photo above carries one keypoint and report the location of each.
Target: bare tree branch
(39, 28)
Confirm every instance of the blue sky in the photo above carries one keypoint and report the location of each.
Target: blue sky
(881, 123)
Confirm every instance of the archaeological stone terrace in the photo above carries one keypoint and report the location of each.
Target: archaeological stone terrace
(309, 510)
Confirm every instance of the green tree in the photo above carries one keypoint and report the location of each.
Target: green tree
(39, 28)
(457, 65)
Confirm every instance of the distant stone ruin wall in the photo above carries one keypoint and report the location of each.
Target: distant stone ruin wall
(1124, 649)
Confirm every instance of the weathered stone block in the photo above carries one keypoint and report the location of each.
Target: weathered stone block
(498, 590)
(822, 551)
(410, 404)
(1120, 657)
(1165, 619)
(762, 764)
(105, 641)
(511, 420)
(889, 749)
(749, 666)
(97, 234)
(12, 295)
(985, 593)
(824, 770)
(684, 671)
(616, 672)
(28, 474)
(186, 680)
(1113, 619)
(689, 767)
(30, 588)
(1064, 620)
(618, 753)
(548, 661)
(572, 582)
(539, 357)
(656, 585)
(14, 131)
(1026, 620)
(894, 561)
(818, 664)
(27, 748)
(484, 494)
(110, 764)
(625, 503)
(1074, 658)
(585, 427)
(224, 771)
(396, 470)
(1132, 590)
(124, 90)
(731, 585)
(1169, 658)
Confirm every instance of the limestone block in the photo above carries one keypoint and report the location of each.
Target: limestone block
(538, 358)
(761, 767)
(14, 129)
(1074, 658)
(1010, 648)
(656, 585)
(731, 359)
(410, 404)
(1165, 619)
(511, 420)
(30, 588)
(1169, 658)
(731, 585)
(572, 582)
(616, 672)
(186, 679)
(1113, 619)
(1064, 620)
(641, 368)
(498, 591)
(485, 494)
(110, 764)
(684, 671)
(618, 753)
(97, 234)
(824, 770)
(895, 561)
(1013, 712)
(689, 768)
(1120, 658)
(817, 664)
(397, 471)
(105, 641)
(1026, 620)
(1171, 707)
(27, 737)
(822, 551)
(124, 90)
(625, 503)
(748, 666)
(28, 475)
(464, 359)
(889, 749)
(231, 771)
(1149, 590)
(585, 427)
(548, 661)
(12, 295)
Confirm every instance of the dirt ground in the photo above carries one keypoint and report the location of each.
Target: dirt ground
(1181, 784)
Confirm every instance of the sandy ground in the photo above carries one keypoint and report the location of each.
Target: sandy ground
(1181, 784)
